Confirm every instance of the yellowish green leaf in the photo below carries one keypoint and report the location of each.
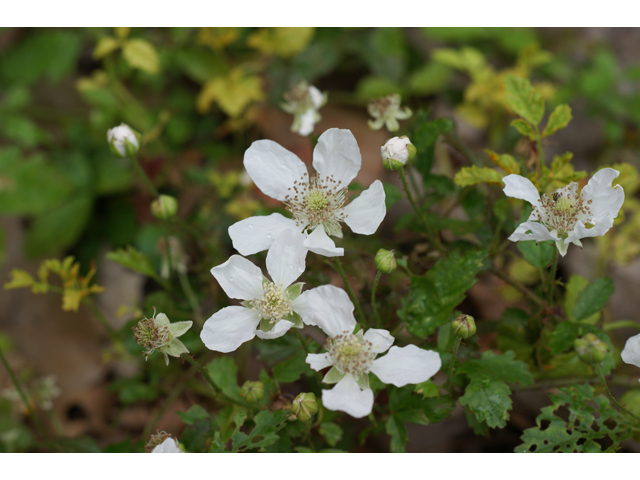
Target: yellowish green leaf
(232, 93)
(141, 54)
(472, 175)
(559, 118)
(218, 37)
(122, 32)
(281, 41)
(523, 99)
(525, 129)
(504, 161)
(467, 59)
(19, 279)
(105, 46)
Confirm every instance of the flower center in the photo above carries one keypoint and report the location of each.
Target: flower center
(562, 210)
(151, 335)
(274, 304)
(350, 353)
(319, 201)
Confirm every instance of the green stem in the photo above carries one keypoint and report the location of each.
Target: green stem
(145, 178)
(552, 278)
(25, 400)
(113, 335)
(356, 303)
(303, 341)
(452, 365)
(433, 238)
(605, 387)
(191, 297)
(376, 314)
(532, 296)
(621, 324)
(540, 153)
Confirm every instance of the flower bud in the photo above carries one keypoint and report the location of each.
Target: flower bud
(590, 349)
(164, 207)
(385, 261)
(304, 406)
(252, 391)
(124, 141)
(397, 152)
(464, 326)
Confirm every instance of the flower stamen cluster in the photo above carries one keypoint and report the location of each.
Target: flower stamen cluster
(155, 440)
(386, 111)
(274, 304)
(319, 201)
(562, 210)
(351, 353)
(151, 335)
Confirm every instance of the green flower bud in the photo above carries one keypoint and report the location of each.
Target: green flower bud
(304, 406)
(164, 207)
(124, 141)
(464, 326)
(397, 152)
(590, 349)
(252, 391)
(385, 261)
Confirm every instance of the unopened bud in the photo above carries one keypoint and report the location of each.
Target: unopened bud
(164, 207)
(397, 152)
(464, 326)
(123, 141)
(590, 349)
(252, 391)
(385, 260)
(304, 406)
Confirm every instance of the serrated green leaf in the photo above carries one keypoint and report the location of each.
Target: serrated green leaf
(398, 432)
(134, 260)
(504, 368)
(562, 337)
(591, 421)
(141, 54)
(537, 254)
(504, 161)
(593, 298)
(267, 424)
(559, 118)
(291, 369)
(524, 100)
(224, 373)
(525, 129)
(473, 175)
(331, 432)
(434, 295)
(574, 286)
(195, 413)
(489, 401)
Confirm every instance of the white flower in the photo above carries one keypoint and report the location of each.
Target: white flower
(631, 352)
(562, 216)
(386, 111)
(351, 357)
(170, 445)
(303, 101)
(157, 333)
(317, 203)
(124, 141)
(270, 308)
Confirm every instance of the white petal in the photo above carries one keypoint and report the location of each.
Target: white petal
(286, 258)
(170, 445)
(631, 352)
(520, 187)
(381, 339)
(347, 397)
(329, 308)
(581, 231)
(539, 233)
(307, 122)
(229, 328)
(319, 243)
(256, 234)
(239, 278)
(279, 330)
(606, 200)
(273, 168)
(318, 361)
(405, 365)
(365, 213)
(337, 154)
(317, 97)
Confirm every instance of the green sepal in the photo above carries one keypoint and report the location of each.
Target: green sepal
(294, 291)
(130, 148)
(266, 325)
(333, 376)
(363, 381)
(333, 230)
(115, 151)
(247, 304)
(179, 328)
(175, 348)
(295, 319)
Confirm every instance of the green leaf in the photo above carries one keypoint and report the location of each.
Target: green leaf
(134, 260)
(141, 54)
(291, 369)
(195, 413)
(392, 195)
(514, 335)
(331, 432)
(539, 255)
(224, 373)
(593, 298)
(473, 175)
(559, 118)
(593, 425)
(424, 137)
(504, 161)
(263, 434)
(105, 46)
(525, 129)
(504, 368)
(395, 427)
(525, 100)
(562, 337)
(574, 286)
(434, 295)
(488, 400)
